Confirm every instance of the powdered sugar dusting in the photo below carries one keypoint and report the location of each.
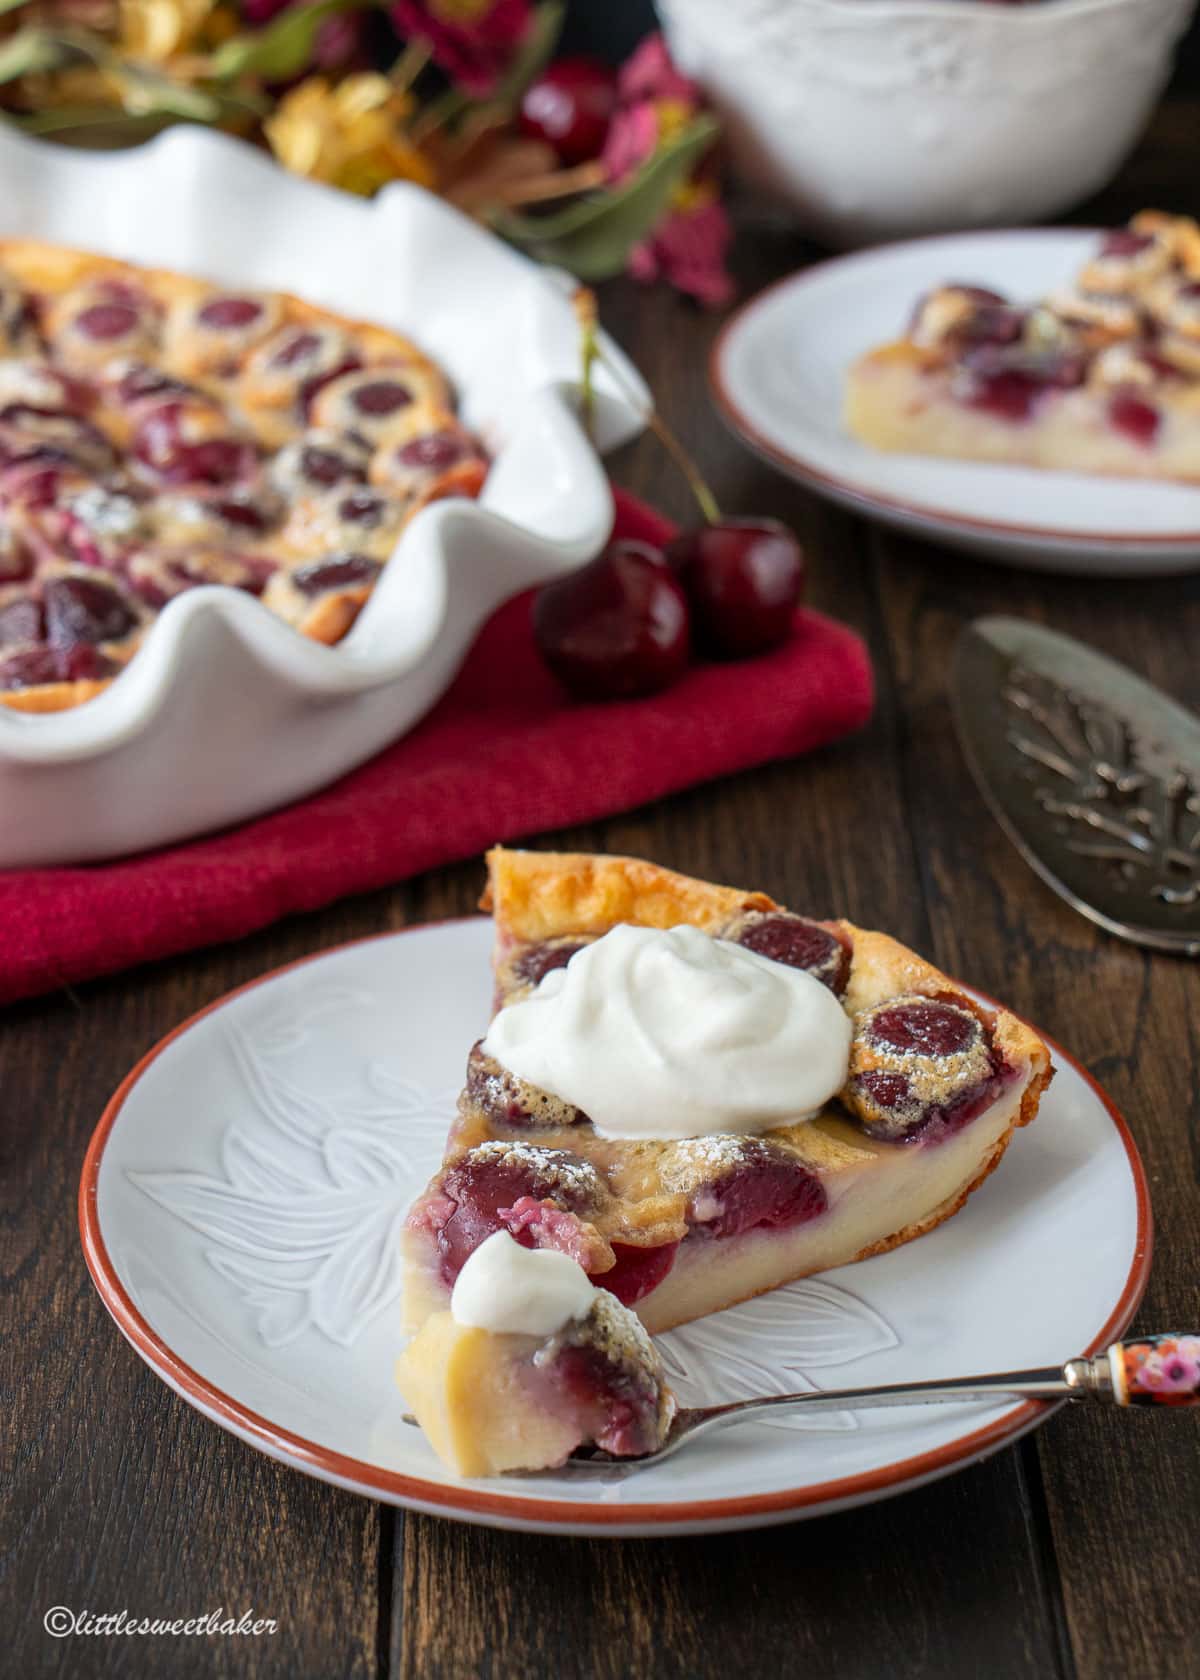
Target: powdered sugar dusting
(557, 1169)
(619, 1334)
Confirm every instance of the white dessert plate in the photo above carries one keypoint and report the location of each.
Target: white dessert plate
(226, 712)
(778, 369)
(241, 1207)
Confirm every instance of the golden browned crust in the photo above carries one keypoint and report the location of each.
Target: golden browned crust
(332, 615)
(952, 1204)
(54, 268)
(548, 895)
(882, 968)
(543, 895)
(910, 1233)
(465, 480)
(51, 697)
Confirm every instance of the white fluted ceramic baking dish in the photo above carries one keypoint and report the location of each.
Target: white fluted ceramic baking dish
(226, 712)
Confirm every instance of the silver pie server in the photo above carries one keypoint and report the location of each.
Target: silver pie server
(1093, 773)
(1151, 1370)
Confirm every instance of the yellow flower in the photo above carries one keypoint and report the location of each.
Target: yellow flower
(155, 30)
(673, 117)
(461, 12)
(350, 135)
(694, 195)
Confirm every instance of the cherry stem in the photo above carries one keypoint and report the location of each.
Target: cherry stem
(584, 303)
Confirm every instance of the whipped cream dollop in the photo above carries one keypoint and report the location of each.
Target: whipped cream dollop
(529, 1291)
(670, 1033)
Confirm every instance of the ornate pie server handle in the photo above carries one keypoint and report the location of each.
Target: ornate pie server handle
(1161, 1370)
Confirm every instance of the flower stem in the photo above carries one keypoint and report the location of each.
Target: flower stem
(557, 183)
(410, 64)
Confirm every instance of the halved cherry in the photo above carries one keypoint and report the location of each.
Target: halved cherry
(105, 321)
(85, 609)
(924, 1027)
(31, 667)
(921, 1067)
(1138, 419)
(343, 571)
(230, 314)
(190, 442)
(1124, 242)
(637, 1270)
(536, 961)
(799, 943)
(494, 1176)
(21, 621)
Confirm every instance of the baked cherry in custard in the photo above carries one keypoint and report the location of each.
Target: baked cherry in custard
(926, 1091)
(1097, 376)
(155, 437)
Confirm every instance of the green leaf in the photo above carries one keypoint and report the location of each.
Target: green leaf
(533, 54)
(144, 93)
(30, 51)
(594, 236)
(283, 48)
(96, 125)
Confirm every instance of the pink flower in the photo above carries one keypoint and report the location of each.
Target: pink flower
(473, 40)
(632, 138)
(687, 249)
(651, 74)
(259, 12)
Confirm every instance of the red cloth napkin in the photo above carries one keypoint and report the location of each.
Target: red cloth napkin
(503, 754)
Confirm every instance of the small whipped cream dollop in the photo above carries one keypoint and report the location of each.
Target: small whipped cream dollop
(527, 1291)
(672, 1034)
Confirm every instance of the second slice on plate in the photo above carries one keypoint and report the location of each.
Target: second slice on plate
(1102, 376)
(695, 1095)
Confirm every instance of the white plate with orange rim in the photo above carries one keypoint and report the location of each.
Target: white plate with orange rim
(777, 371)
(243, 1195)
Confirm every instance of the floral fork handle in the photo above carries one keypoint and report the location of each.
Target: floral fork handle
(1156, 1370)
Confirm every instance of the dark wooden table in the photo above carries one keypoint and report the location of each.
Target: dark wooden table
(1072, 1553)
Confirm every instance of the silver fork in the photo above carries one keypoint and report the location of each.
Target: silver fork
(1161, 1369)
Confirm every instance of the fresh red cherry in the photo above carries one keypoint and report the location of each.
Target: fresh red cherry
(617, 628)
(569, 107)
(743, 578)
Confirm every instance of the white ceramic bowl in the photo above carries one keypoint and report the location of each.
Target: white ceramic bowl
(226, 712)
(880, 118)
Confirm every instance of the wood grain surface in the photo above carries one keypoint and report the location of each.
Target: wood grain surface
(1072, 1554)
